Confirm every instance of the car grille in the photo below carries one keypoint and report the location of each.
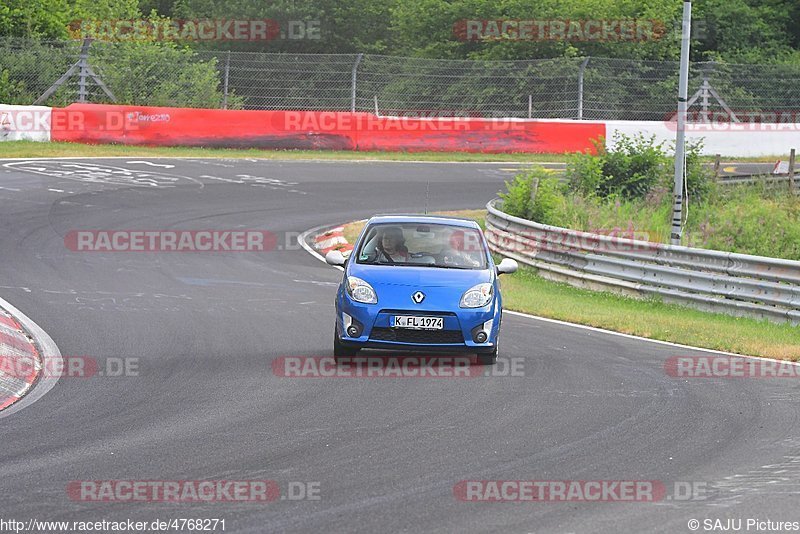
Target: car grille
(428, 337)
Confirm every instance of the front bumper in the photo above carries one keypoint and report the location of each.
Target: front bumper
(457, 336)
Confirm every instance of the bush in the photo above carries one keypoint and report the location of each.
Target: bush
(542, 207)
(29, 68)
(548, 201)
(160, 74)
(138, 73)
(517, 200)
(634, 169)
(630, 170)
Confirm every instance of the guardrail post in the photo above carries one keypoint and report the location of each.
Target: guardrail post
(791, 172)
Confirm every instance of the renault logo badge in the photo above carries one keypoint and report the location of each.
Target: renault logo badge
(418, 297)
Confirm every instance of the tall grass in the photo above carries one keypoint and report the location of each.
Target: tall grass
(629, 190)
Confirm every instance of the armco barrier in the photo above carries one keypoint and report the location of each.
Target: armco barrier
(137, 125)
(736, 284)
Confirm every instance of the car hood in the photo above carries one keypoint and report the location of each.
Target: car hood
(418, 277)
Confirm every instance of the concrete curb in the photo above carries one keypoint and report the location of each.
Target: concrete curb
(20, 361)
(29, 362)
(323, 240)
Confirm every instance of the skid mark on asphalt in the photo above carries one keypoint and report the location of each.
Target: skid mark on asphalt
(781, 478)
(257, 181)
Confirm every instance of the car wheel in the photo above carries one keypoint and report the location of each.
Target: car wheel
(339, 350)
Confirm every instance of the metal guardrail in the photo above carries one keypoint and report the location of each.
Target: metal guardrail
(725, 282)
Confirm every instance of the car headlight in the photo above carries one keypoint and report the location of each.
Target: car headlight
(477, 296)
(360, 291)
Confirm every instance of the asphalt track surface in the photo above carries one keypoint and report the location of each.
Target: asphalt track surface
(386, 453)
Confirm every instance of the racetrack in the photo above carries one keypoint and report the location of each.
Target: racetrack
(386, 453)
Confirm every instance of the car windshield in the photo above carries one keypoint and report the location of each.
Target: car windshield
(423, 245)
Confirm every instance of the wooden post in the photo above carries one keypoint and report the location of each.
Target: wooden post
(791, 172)
(716, 167)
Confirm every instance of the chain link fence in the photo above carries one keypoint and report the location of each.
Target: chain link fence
(157, 74)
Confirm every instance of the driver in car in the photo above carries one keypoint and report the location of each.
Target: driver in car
(392, 244)
(461, 253)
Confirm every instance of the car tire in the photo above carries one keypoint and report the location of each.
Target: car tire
(339, 350)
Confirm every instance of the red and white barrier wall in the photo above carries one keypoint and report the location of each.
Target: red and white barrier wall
(25, 123)
(321, 130)
(725, 138)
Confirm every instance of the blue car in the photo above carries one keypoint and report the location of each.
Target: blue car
(417, 282)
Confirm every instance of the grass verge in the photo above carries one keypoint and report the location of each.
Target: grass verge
(527, 292)
(31, 149)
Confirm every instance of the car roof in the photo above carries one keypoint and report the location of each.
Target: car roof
(423, 219)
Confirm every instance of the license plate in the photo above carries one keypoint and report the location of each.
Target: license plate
(417, 323)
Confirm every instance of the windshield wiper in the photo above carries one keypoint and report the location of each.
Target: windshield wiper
(436, 265)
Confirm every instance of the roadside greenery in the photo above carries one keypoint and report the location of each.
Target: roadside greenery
(157, 74)
(743, 31)
(629, 189)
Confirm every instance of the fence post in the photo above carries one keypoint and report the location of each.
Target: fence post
(791, 172)
(83, 66)
(353, 83)
(84, 71)
(225, 82)
(581, 71)
(530, 106)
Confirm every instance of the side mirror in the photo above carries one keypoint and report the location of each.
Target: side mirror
(335, 257)
(507, 266)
